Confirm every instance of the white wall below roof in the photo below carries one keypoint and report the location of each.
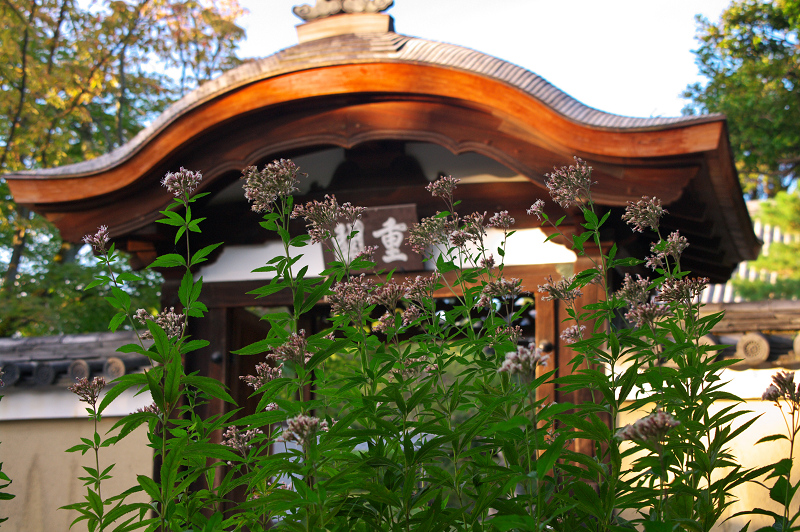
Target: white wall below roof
(22, 403)
(236, 263)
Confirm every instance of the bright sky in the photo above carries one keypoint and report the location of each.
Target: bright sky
(629, 57)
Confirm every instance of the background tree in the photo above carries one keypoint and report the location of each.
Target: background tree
(780, 276)
(78, 80)
(752, 61)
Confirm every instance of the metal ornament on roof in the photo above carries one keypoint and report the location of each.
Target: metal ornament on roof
(327, 8)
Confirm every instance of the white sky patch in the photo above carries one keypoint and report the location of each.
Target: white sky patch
(628, 57)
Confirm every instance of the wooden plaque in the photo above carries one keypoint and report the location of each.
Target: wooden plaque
(387, 228)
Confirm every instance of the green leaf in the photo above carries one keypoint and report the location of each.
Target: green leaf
(173, 380)
(154, 385)
(120, 385)
(657, 526)
(262, 346)
(445, 266)
(548, 459)
(200, 255)
(212, 450)
(96, 282)
(172, 218)
(160, 338)
(125, 277)
(772, 437)
(193, 345)
(781, 491)
(95, 501)
(210, 386)
(169, 260)
(116, 321)
(150, 487)
(185, 289)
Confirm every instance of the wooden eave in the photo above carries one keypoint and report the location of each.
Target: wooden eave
(352, 89)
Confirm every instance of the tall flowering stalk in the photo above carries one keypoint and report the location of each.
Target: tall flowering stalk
(176, 432)
(785, 395)
(651, 431)
(621, 368)
(93, 510)
(289, 351)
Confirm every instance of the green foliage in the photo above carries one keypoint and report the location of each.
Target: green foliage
(49, 297)
(435, 423)
(750, 58)
(781, 265)
(78, 80)
(784, 395)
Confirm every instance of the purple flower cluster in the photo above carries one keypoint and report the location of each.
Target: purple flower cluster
(443, 188)
(634, 291)
(487, 262)
(322, 217)
(422, 288)
(367, 254)
(510, 333)
(302, 428)
(385, 323)
(652, 428)
(98, 240)
(389, 294)
(278, 179)
(88, 390)
(429, 232)
(523, 362)
(559, 290)
(783, 387)
(172, 322)
(501, 220)
(240, 441)
(573, 334)
(152, 408)
(569, 185)
(182, 183)
(350, 297)
(644, 214)
(682, 290)
(500, 288)
(413, 367)
(294, 349)
(537, 209)
(673, 247)
(264, 374)
(647, 313)
(411, 314)
(475, 227)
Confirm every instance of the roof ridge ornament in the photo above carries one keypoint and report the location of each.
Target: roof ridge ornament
(327, 8)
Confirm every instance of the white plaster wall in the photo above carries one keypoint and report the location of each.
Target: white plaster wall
(44, 477)
(57, 402)
(236, 263)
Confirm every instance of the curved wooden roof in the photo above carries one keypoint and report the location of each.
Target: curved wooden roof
(349, 89)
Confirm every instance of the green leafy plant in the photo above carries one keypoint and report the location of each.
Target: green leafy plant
(786, 397)
(431, 418)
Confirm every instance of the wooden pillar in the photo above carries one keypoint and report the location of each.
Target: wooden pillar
(212, 360)
(552, 318)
